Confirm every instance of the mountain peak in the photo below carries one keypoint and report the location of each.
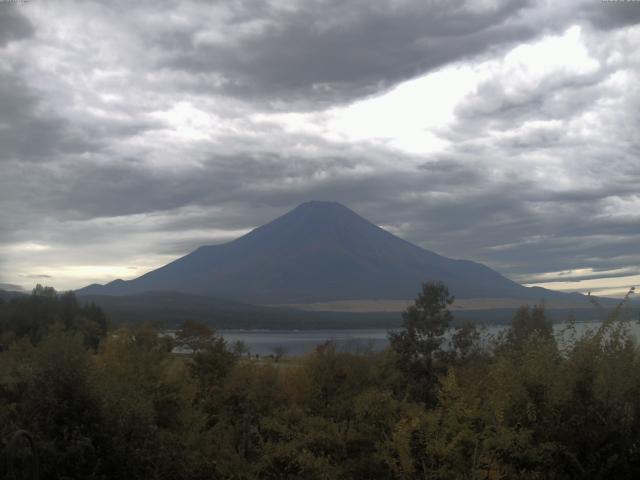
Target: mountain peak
(321, 205)
(321, 208)
(323, 212)
(310, 222)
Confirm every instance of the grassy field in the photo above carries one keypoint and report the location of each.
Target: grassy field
(370, 306)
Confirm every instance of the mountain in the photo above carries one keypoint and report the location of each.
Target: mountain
(10, 287)
(7, 295)
(320, 252)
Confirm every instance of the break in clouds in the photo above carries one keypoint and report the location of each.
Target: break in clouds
(501, 132)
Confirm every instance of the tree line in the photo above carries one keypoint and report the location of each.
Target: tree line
(438, 403)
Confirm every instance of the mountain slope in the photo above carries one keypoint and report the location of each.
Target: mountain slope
(319, 251)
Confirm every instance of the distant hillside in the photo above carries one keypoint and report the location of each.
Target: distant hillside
(7, 295)
(319, 252)
(169, 309)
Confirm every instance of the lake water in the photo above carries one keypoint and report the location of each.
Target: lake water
(299, 342)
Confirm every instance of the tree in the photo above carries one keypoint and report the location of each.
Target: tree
(33, 316)
(528, 320)
(59, 406)
(93, 324)
(418, 343)
(40, 291)
(212, 363)
(465, 343)
(194, 336)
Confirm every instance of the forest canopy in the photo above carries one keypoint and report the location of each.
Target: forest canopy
(440, 402)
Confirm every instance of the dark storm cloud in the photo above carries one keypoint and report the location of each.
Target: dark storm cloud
(13, 24)
(31, 133)
(332, 51)
(493, 106)
(557, 96)
(609, 15)
(85, 190)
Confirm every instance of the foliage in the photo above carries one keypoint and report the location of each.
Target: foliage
(527, 321)
(417, 345)
(526, 405)
(33, 316)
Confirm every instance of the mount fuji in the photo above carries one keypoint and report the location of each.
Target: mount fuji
(321, 252)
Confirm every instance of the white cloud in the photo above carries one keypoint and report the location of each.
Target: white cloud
(24, 247)
(601, 286)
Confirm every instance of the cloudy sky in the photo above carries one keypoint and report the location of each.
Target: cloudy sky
(504, 132)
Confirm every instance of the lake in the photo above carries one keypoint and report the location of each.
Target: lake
(299, 342)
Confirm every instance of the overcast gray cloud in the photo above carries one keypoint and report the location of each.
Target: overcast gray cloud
(13, 25)
(133, 133)
(324, 51)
